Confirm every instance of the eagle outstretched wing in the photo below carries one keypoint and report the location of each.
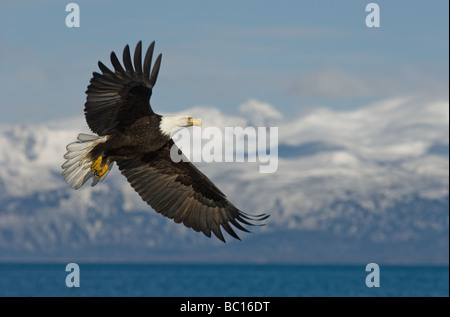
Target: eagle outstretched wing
(117, 99)
(181, 192)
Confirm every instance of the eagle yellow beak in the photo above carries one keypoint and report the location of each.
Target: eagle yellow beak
(195, 121)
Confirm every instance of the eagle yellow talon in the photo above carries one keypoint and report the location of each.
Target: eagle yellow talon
(99, 170)
(97, 164)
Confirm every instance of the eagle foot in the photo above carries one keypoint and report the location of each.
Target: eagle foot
(97, 167)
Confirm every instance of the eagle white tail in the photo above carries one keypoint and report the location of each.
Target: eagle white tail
(77, 168)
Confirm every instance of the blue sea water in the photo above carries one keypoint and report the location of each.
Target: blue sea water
(212, 280)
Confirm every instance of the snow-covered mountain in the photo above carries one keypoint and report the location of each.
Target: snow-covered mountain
(368, 185)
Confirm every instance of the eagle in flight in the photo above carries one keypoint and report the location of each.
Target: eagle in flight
(130, 134)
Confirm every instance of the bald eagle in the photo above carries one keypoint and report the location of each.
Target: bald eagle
(129, 133)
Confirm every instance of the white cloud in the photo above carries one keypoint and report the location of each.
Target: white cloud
(389, 130)
(331, 83)
(260, 114)
(335, 82)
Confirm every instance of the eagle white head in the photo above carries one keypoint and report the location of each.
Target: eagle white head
(170, 125)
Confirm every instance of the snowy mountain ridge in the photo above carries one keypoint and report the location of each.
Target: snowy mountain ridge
(373, 178)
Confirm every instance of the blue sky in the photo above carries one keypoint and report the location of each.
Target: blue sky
(294, 55)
